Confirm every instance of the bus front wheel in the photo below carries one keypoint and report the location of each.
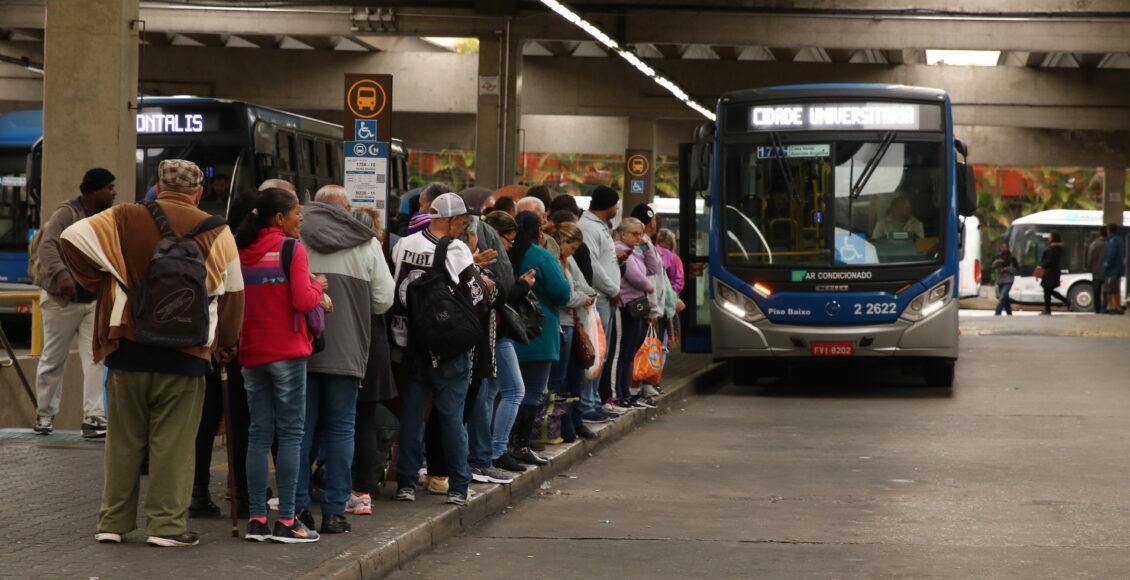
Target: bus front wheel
(939, 373)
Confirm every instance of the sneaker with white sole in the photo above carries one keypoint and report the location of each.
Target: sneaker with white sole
(108, 538)
(456, 498)
(179, 541)
(613, 407)
(44, 425)
(359, 504)
(93, 427)
(405, 494)
(296, 533)
(490, 474)
(257, 531)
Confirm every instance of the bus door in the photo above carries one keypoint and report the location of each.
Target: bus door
(694, 237)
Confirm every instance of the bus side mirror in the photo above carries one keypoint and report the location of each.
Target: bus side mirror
(701, 154)
(966, 189)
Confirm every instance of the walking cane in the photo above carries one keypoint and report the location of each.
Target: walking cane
(227, 445)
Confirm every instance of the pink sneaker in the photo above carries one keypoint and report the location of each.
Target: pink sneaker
(359, 504)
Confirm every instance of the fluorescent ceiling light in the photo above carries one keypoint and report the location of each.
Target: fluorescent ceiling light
(599, 35)
(963, 57)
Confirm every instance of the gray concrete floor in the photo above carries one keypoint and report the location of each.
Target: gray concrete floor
(1019, 472)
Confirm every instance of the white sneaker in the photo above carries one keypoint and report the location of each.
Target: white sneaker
(108, 538)
(614, 408)
(359, 504)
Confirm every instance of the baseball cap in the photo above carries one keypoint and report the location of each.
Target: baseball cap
(448, 205)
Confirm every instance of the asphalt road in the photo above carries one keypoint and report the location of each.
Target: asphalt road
(1020, 471)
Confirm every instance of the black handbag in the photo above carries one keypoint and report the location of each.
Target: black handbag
(639, 308)
(532, 316)
(511, 325)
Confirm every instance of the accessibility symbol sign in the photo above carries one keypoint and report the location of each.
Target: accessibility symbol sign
(365, 129)
(637, 186)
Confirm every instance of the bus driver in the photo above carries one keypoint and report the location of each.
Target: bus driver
(899, 220)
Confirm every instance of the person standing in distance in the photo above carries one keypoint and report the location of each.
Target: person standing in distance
(68, 310)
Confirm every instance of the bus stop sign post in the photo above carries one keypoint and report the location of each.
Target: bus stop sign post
(368, 97)
(366, 175)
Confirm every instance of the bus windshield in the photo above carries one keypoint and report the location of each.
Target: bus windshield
(218, 163)
(834, 202)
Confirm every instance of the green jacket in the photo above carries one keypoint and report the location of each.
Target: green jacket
(553, 291)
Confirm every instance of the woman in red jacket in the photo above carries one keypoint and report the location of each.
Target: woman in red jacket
(273, 349)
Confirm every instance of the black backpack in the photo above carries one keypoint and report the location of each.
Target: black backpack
(441, 320)
(170, 308)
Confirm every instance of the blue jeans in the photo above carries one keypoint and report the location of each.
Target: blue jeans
(1003, 301)
(486, 445)
(535, 375)
(447, 384)
(559, 374)
(590, 397)
(276, 401)
(331, 413)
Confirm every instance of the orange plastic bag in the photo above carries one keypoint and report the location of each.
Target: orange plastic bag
(648, 364)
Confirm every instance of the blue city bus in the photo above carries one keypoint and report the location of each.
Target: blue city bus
(831, 228)
(236, 144)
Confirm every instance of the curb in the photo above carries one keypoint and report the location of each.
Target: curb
(389, 554)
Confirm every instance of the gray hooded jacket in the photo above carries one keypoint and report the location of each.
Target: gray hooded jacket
(361, 285)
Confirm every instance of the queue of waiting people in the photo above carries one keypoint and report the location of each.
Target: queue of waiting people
(470, 336)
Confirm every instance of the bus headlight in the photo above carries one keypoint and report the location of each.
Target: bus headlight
(929, 302)
(736, 303)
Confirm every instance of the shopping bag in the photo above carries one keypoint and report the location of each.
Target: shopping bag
(648, 364)
(595, 332)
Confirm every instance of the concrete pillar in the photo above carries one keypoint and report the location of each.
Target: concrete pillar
(498, 120)
(641, 135)
(1114, 191)
(89, 94)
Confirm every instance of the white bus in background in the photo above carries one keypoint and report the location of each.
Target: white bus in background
(969, 268)
(1028, 237)
(666, 208)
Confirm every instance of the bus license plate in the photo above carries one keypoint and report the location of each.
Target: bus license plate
(833, 348)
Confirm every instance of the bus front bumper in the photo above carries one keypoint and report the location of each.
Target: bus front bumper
(933, 336)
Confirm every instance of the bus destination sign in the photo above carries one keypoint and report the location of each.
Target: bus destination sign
(170, 122)
(837, 117)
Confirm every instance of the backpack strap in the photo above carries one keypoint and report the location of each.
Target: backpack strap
(286, 255)
(159, 217)
(209, 223)
(439, 258)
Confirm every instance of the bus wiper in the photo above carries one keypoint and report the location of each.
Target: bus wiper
(872, 165)
(779, 156)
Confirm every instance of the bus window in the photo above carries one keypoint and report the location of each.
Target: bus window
(217, 163)
(286, 152)
(309, 165)
(321, 162)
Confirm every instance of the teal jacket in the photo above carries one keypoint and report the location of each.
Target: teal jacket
(553, 292)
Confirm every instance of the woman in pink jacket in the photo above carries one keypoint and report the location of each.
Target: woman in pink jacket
(636, 296)
(273, 349)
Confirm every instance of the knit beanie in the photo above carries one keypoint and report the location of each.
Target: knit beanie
(603, 197)
(95, 179)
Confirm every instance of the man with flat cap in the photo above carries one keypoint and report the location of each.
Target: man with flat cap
(157, 352)
(68, 310)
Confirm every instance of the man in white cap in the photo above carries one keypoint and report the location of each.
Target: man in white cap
(446, 380)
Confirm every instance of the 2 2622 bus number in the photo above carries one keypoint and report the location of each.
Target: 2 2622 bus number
(876, 308)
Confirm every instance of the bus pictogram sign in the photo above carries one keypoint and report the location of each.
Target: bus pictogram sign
(638, 165)
(368, 97)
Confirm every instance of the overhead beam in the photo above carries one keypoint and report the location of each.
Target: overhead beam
(727, 52)
(1089, 59)
(839, 55)
(671, 51)
(664, 27)
(784, 54)
(558, 48)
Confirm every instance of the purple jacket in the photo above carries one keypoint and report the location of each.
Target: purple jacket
(674, 267)
(636, 283)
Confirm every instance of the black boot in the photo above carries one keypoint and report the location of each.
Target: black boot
(202, 505)
(568, 425)
(523, 427)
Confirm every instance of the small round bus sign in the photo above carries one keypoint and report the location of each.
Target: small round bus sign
(366, 99)
(638, 165)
